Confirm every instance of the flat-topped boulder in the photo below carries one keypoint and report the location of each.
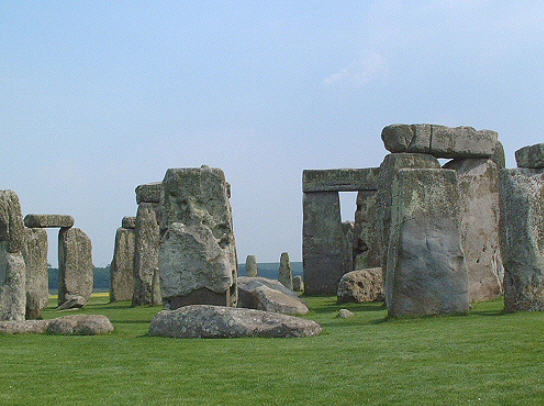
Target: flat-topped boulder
(128, 222)
(361, 286)
(80, 324)
(149, 193)
(440, 141)
(531, 156)
(339, 180)
(49, 221)
(204, 321)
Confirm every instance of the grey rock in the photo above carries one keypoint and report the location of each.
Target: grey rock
(426, 269)
(285, 274)
(73, 302)
(338, 180)
(531, 156)
(12, 284)
(522, 238)
(122, 266)
(344, 314)
(24, 326)
(348, 228)
(48, 221)
(298, 284)
(37, 276)
(361, 286)
(498, 155)
(202, 321)
(128, 222)
(366, 237)
(149, 193)
(251, 266)
(11, 221)
(75, 264)
(440, 141)
(480, 215)
(80, 324)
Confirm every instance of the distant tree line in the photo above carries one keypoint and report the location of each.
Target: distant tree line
(101, 279)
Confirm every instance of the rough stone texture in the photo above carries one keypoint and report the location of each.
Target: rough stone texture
(49, 221)
(11, 221)
(322, 242)
(73, 302)
(344, 314)
(531, 156)
(251, 266)
(389, 168)
(12, 284)
(128, 222)
(366, 237)
(285, 274)
(149, 193)
(269, 295)
(37, 276)
(338, 180)
(146, 255)
(81, 324)
(498, 155)
(298, 284)
(75, 264)
(122, 265)
(361, 286)
(348, 228)
(522, 238)
(440, 141)
(426, 270)
(201, 321)
(24, 326)
(480, 215)
(198, 249)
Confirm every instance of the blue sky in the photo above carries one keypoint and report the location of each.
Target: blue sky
(98, 97)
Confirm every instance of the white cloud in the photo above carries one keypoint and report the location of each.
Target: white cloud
(359, 72)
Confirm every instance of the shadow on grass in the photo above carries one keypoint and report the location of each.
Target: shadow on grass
(353, 307)
(131, 321)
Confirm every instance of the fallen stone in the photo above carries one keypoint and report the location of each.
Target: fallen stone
(149, 193)
(37, 275)
(12, 284)
(11, 221)
(128, 222)
(366, 237)
(202, 321)
(361, 286)
(24, 326)
(440, 141)
(531, 156)
(80, 324)
(298, 284)
(49, 221)
(338, 180)
(344, 314)
(72, 302)
(251, 266)
(285, 274)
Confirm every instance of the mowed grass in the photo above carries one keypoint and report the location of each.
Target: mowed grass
(484, 358)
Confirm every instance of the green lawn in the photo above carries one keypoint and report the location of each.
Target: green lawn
(484, 358)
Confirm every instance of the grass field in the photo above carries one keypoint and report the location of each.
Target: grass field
(484, 358)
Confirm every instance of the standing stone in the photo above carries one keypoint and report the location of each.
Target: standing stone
(197, 258)
(146, 255)
(251, 266)
(122, 266)
(522, 238)
(426, 273)
(285, 275)
(11, 221)
(498, 155)
(298, 284)
(37, 277)
(12, 284)
(322, 242)
(348, 227)
(366, 238)
(480, 214)
(75, 266)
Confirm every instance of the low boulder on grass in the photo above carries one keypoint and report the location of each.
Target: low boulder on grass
(80, 324)
(361, 286)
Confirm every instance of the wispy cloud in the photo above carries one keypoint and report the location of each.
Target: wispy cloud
(359, 72)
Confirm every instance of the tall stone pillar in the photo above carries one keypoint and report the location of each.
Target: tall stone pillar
(122, 265)
(366, 237)
(37, 276)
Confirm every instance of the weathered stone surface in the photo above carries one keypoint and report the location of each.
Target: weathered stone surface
(146, 255)
(122, 265)
(440, 141)
(198, 250)
(128, 222)
(389, 168)
(81, 324)
(73, 302)
(24, 326)
(269, 295)
(322, 242)
(298, 284)
(366, 237)
(348, 229)
(426, 270)
(12, 284)
(251, 266)
(479, 210)
(149, 193)
(344, 314)
(37, 277)
(338, 180)
(11, 221)
(531, 156)
(498, 155)
(201, 321)
(522, 238)
(75, 264)
(49, 221)
(285, 274)
(361, 286)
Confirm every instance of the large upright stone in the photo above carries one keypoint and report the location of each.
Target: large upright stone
(12, 284)
(122, 266)
(11, 221)
(251, 266)
(75, 265)
(366, 237)
(440, 141)
(322, 242)
(37, 280)
(49, 221)
(531, 156)
(426, 272)
(522, 238)
(149, 193)
(285, 274)
(198, 263)
(146, 256)
(348, 228)
(479, 209)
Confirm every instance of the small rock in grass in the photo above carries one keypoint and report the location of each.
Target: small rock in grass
(344, 314)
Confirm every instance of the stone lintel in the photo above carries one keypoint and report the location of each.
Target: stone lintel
(339, 180)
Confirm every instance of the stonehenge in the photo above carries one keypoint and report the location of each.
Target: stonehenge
(122, 265)
(36, 275)
(285, 275)
(251, 266)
